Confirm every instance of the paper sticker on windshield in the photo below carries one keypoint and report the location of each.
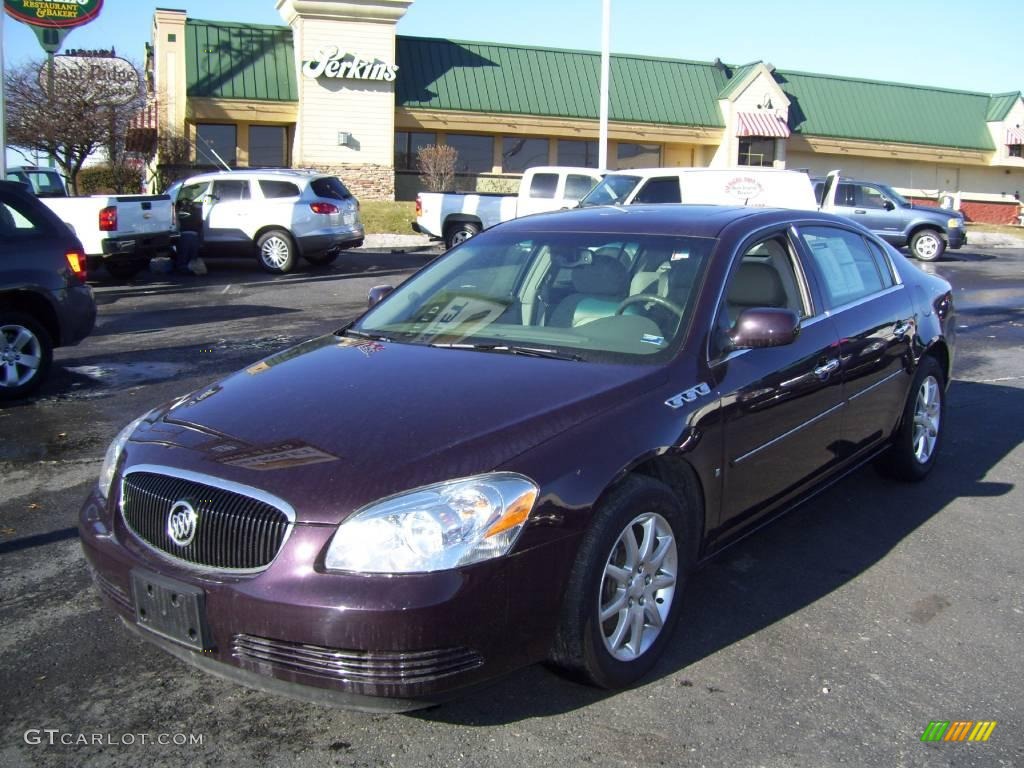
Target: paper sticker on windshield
(648, 338)
(680, 255)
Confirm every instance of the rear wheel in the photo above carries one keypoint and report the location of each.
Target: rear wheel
(460, 233)
(323, 259)
(927, 245)
(276, 251)
(623, 597)
(915, 445)
(26, 351)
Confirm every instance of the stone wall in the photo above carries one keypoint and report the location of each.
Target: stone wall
(367, 182)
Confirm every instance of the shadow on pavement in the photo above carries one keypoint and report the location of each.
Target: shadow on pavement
(813, 551)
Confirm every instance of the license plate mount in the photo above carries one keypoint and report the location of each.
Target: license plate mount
(171, 609)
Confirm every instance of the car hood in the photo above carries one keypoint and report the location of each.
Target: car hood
(336, 423)
(932, 210)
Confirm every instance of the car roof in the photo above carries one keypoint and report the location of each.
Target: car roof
(659, 219)
(295, 174)
(647, 172)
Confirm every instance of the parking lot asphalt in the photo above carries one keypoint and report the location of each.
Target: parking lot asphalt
(833, 637)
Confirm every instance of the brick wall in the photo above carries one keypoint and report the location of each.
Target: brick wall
(367, 182)
(980, 212)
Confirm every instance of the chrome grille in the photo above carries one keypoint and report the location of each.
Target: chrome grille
(380, 667)
(233, 532)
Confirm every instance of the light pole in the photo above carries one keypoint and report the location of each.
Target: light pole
(602, 151)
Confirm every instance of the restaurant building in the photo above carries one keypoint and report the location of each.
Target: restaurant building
(336, 88)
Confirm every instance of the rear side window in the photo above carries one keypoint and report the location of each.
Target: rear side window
(884, 265)
(659, 191)
(848, 269)
(544, 185)
(231, 191)
(276, 189)
(19, 220)
(576, 186)
(330, 187)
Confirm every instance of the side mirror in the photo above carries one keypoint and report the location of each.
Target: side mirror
(889, 205)
(764, 327)
(377, 294)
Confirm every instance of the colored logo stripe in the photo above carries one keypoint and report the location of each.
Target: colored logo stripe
(935, 731)
(982, 730)
(958, 730)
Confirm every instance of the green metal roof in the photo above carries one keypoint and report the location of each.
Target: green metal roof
(869, 110)
(240, 61)
(510, 79)
(1000, 104)
(736, 77)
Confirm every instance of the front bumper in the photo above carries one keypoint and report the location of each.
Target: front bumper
(358, 641)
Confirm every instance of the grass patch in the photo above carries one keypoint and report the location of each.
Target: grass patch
(381, 217)
(999, 229)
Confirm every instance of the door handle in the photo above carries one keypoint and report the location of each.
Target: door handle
(902, 328)
(859, 210)
(824, 371)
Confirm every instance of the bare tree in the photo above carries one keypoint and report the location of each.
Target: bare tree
(69, 119)
(436, 164)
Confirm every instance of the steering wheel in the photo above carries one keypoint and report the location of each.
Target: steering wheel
(652, 298)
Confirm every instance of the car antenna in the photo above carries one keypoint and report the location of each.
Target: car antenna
(213, 152)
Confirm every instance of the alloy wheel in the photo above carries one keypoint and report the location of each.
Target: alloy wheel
(21, 355)
(275, 252)
(927, 417)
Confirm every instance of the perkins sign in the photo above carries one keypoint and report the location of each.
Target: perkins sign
(332, 62)
(54, 14)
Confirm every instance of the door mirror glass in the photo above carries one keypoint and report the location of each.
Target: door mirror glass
(377, 294)
(764, 327)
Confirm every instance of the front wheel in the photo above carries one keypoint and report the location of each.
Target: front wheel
(927, 245)
(276, 251)
(460, 233)
(623, 595)
(915, 445)
(26, 350)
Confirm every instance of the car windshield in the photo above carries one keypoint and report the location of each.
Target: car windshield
(577, 295)
(895, 196)
(611, 190)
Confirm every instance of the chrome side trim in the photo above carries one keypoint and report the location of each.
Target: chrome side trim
(225, 485)
(878, 383)
(784, 435)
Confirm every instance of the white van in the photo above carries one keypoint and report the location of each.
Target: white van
(754, 187)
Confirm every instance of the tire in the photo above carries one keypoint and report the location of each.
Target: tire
(915, 445)
(612, 653)
(323, 259)
(276, 251)
(460, 232)
(26, 351)
(927, 245)
(124, 270)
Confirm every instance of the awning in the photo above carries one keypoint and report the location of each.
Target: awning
(762, 124)
(142, 130)
(1014, 137)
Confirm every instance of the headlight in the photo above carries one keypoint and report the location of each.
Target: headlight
(109, 467)
(435, 528)
(954, 223)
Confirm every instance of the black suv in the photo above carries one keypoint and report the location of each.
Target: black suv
(44, 301)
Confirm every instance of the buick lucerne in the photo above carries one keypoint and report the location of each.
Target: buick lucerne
(520, 453)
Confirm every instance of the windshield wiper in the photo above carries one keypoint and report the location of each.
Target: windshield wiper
(363, 335)
(514, 349)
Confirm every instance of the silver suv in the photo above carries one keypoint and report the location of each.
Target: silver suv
(281, 214)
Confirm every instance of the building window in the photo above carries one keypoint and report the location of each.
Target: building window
(1015, 150)
(476, 153)
(519, 154)
(638, 155)
(407, 144)
(267, 146)
(581, 154)
(757, 151)
(216, 143)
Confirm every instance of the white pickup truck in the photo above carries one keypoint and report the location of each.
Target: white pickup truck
(457, 216)
(122, 232)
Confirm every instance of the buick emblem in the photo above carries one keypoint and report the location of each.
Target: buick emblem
(181, 523)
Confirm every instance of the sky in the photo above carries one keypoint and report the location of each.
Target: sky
(975, 46)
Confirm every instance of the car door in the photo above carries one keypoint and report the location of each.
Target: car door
(874, 316)
(226, 210)
(780, 405)
(874, 211)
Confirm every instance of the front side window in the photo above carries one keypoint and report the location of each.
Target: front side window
(267, 146)
(476, 153)
(577, 186)
(216, 143)
(664, 190)
(848, 269)
(871, 197)
(757, 151)
(593, 296)
(518, 155)
(766, 277)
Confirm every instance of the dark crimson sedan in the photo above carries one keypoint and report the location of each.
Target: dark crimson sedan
(521, 453)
